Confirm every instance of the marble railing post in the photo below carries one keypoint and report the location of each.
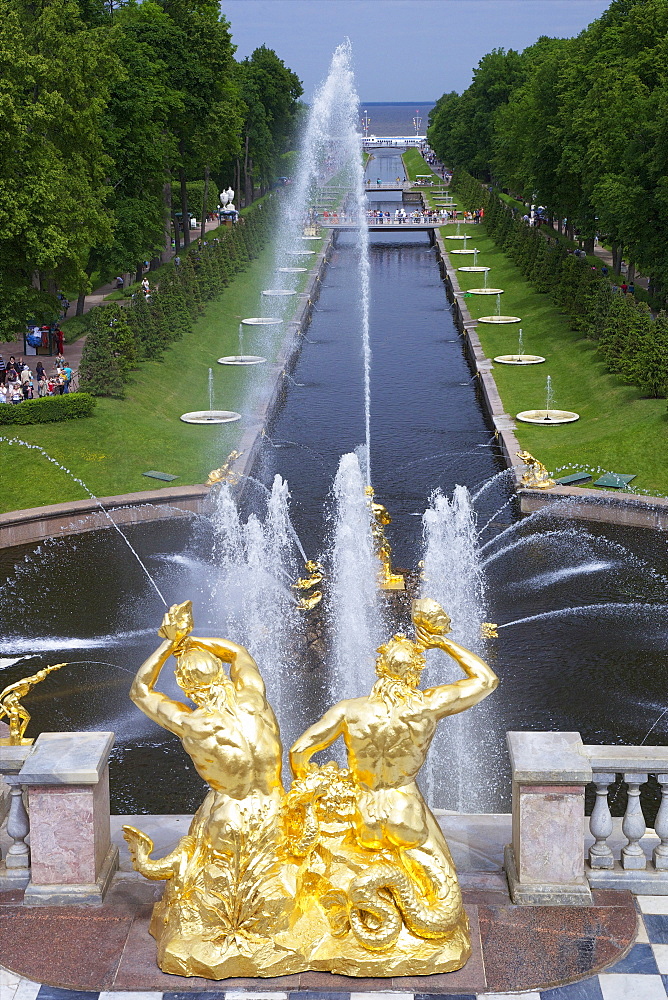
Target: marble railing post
(73, 860)
(660, 854)
(545, 862)
(600, 824)
(15, 869)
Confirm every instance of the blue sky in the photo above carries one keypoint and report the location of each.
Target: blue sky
(405, 50)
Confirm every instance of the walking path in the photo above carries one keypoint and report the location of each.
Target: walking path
(72, 352)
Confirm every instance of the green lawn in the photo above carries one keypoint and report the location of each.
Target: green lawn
(110, 450)
(415, 163)
(618, 431)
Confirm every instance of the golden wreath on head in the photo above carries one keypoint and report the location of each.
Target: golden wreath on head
(418, 658)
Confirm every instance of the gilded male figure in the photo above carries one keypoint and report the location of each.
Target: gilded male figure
(387, 736)
(231, 734)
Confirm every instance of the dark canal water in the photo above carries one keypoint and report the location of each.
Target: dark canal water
(591, 659)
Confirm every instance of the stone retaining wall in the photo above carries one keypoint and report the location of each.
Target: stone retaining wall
(587, 504)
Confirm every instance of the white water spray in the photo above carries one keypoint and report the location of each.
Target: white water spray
(356, 617)
(457, 769)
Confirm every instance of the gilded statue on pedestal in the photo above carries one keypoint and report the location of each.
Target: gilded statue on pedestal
(536, 477)
(349, 871)
(12, 708)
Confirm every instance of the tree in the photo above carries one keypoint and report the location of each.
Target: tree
(54, 186)
(108, 353)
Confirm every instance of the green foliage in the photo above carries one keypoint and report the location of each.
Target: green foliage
(108, 354)
(48, 409)
(104, 106)
(633, 344)
(577, 125)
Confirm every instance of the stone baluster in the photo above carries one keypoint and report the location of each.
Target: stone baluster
(660, 855)
(633, 824)
(600, 824)
(15, 869)
(17, 859)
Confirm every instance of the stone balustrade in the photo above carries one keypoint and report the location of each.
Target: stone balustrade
(628, 867)
(547, 861)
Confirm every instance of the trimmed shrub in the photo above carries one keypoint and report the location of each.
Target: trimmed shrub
(48, 409)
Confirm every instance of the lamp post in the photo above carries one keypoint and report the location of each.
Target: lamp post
(366, 121)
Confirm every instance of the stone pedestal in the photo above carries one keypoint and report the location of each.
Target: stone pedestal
(545, 862)
(67, 777)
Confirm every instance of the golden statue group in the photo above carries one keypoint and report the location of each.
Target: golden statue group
(348, 872)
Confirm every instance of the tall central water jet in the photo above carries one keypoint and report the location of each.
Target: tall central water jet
(458, 770)
(332, 154)
(355, 613)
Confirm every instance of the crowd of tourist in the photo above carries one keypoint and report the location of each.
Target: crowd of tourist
(18, 382)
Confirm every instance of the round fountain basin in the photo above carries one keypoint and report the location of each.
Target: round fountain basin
(300, 253)
(463, 236)
(210, 417)
(548, 417)
(241, 359)
(484, 291)
(519, 359)
(463, 251)
(477, 269)
(311, 237)
(276, 292)
(262, 321)
(499, 319)
(292, 270)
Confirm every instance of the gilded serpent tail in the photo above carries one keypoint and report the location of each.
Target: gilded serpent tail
(379, 899)
(141, 846)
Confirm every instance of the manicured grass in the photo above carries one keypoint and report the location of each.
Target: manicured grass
(124, 438)
(415, 163)
(618, 431)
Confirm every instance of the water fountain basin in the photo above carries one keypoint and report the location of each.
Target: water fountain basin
(292, 270)
(499, 319)
(459, 251)
(262, 321)
(276, 292)
(300, 253)
(519, 359)
(241, 359)
(484, 291)
(548, 417)
(210, 417)
(463, 236)
(477, 269)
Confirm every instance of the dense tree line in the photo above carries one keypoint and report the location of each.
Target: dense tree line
(577, 125)
(120, 338)
(109, 112)
(633, 343)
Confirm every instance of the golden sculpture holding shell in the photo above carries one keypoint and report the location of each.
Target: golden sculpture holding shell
(348, 872)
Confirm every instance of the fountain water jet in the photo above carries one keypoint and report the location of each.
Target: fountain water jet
(548, 416)
(45, 454)
(354, 604)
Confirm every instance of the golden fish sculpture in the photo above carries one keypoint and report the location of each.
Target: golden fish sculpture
(348, 872)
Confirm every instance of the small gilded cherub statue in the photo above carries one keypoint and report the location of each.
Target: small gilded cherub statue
(304, 583)
(17, 714)
(536, 477)
(225, 474)
(387, 580)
